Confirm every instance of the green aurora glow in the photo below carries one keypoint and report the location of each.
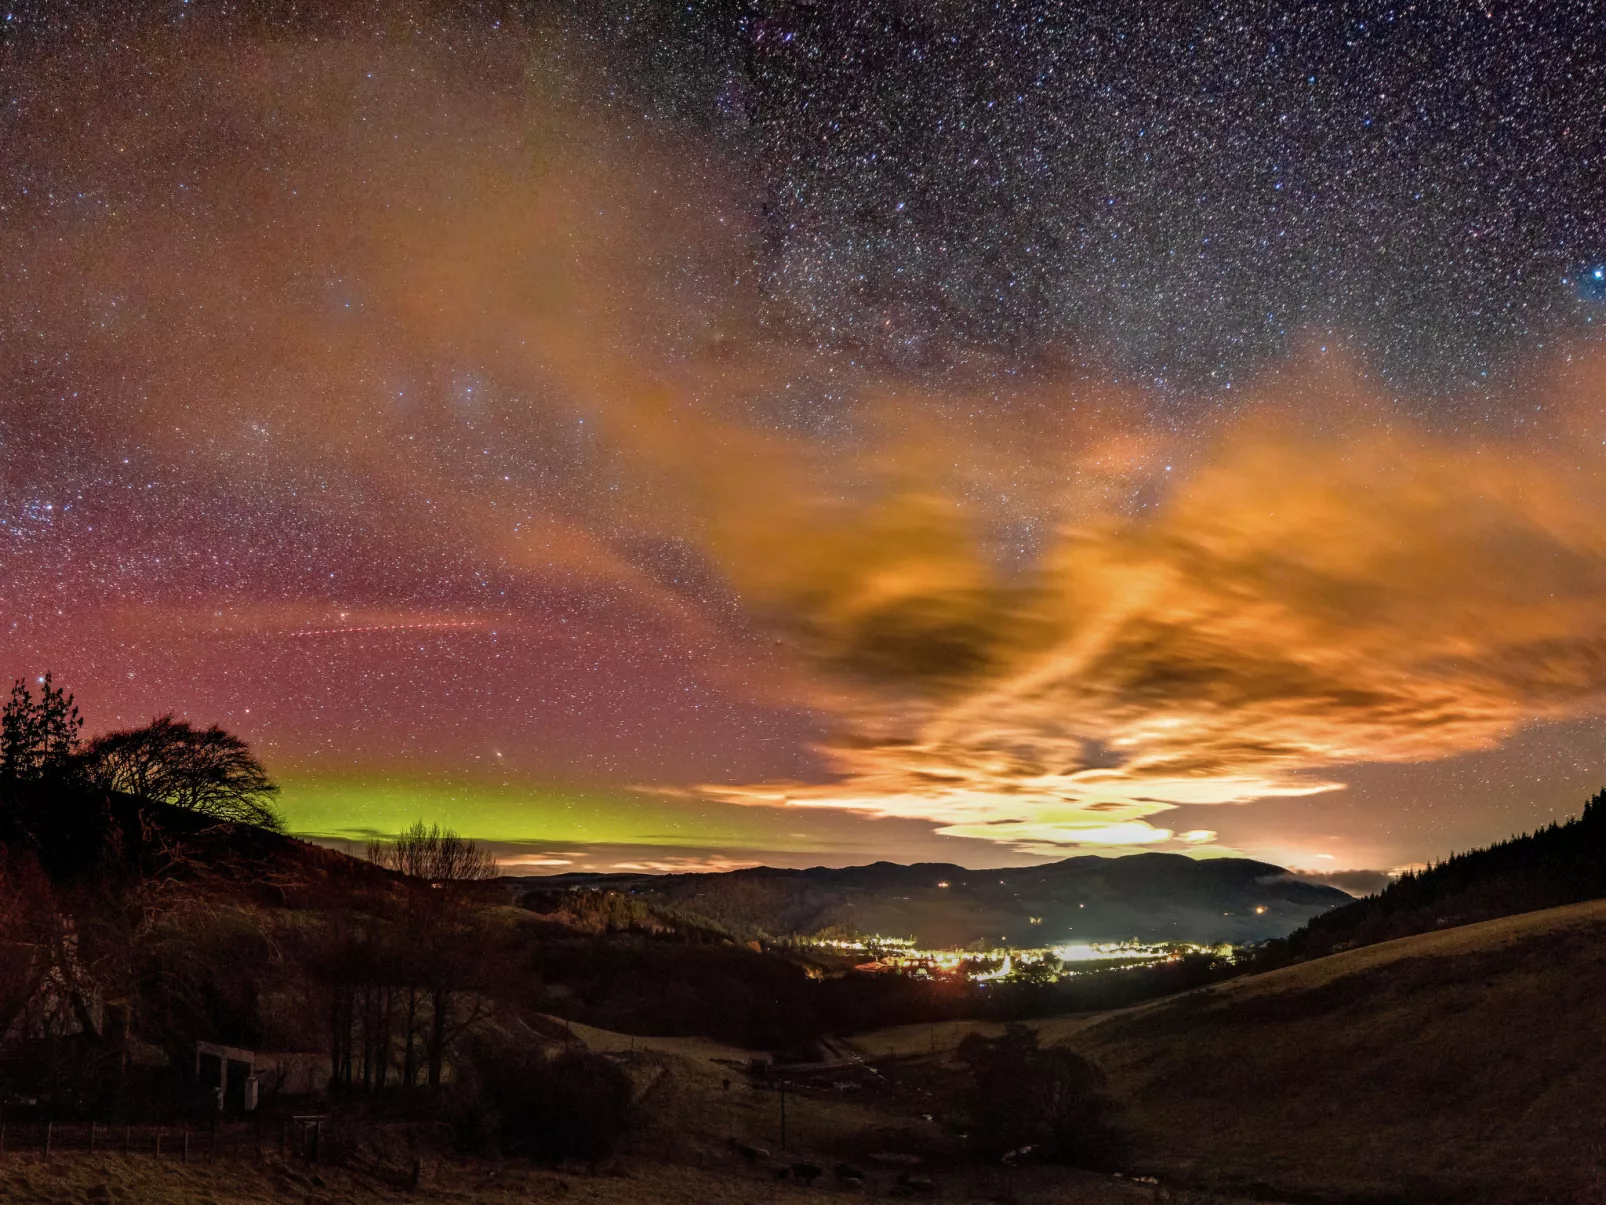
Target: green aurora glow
(527, 813)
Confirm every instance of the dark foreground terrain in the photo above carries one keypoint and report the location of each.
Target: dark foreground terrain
(1458, 1066)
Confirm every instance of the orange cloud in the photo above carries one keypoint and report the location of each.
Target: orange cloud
(1304, 597)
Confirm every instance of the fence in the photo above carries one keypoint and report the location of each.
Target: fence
(297, 1138)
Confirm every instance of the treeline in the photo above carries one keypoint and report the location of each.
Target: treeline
(1563, 863)
(206, 771)
(65, 802)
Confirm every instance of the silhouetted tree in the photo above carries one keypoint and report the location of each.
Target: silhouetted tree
(523, 1102)
(1026, 1095)
(403, 979)
(208, 771)
(38, 738)
(435, 854)
(26, 902)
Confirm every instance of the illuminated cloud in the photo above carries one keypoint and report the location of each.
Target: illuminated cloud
(532, 863)
(1292, 604)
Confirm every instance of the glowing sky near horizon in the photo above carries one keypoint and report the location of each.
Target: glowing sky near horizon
(812, 433)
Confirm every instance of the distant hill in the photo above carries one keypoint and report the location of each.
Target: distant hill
(1561, 864)
(1459, 1066)
(1151, 897)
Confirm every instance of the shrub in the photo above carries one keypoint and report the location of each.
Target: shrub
(572, 1106)
(1026, 1095)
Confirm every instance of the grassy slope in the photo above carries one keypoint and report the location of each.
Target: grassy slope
(1464, 1064)
(680, 1154)
(25, 1181)
(688, 1117)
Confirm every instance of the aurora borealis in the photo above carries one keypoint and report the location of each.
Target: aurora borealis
(813, 433)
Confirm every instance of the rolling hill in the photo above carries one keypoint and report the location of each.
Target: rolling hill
(1151, 897)
(1460, 1065)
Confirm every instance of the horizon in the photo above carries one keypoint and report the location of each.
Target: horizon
(510, 865)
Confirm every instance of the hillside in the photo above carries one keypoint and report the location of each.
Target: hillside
(1151, 897)
(1460, 1065)
(109, 838)
(703, 1132)
(1560, 864)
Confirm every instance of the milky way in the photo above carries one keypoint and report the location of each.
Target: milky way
(1180, 191)
(660, 434)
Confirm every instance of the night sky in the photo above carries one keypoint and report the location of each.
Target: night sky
(670, 435)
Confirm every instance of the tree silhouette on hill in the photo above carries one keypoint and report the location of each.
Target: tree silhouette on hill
(38, 737)
(435, 854)
(209, 771)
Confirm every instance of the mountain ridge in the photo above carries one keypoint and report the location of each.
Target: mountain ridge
(1152, 897)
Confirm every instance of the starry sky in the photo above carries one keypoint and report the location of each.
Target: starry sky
(665, 435)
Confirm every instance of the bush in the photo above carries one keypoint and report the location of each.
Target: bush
(572, 1106)
(1050, 1099)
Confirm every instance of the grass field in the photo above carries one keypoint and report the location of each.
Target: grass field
(698, 1103)
(1468, 1064)
(142, 1182)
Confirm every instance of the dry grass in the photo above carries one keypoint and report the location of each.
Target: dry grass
(681, 1152)
(143, 1181)
(691, 1116)
(1461, 1065)
(943, 1037)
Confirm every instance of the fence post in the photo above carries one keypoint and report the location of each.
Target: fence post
(91, 1138)
(158, 1142)
(128, 1135)
(49, 1127)
(186, 1144)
